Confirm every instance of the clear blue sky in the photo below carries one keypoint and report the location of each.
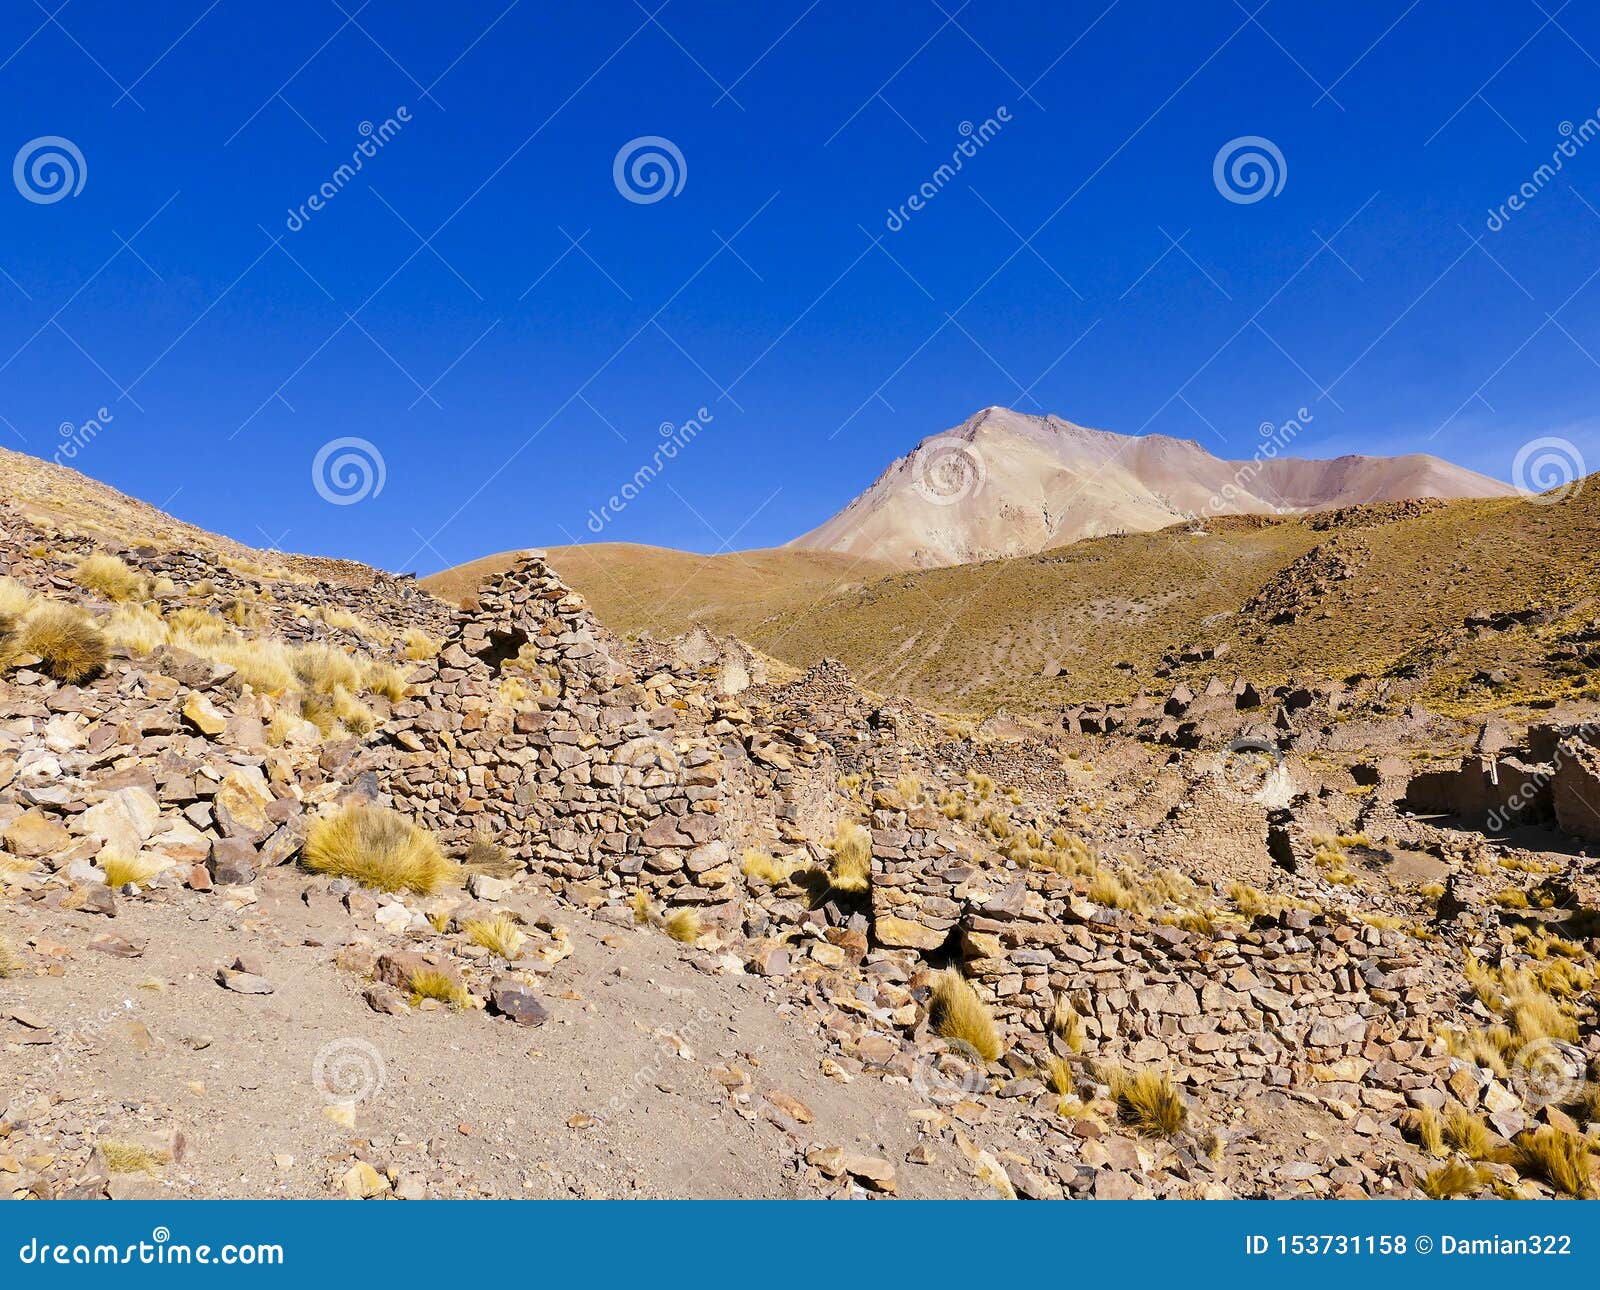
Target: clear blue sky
(229, 349)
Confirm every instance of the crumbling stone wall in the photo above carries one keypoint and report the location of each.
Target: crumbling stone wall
(598, 774)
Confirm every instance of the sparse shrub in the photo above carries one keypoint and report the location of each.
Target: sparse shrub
(683, 925)
(1561, 1158)
(352, 714)
(956, 1012)
(388, 681)
(851, 865)
(1452, 1180)
(1424, 1127)
(1106, 889)
(435, 983)
(910, 789)
(322, 669)
(138, 627)
(758, 866)
(1468, 1134)
(378, 847)
(1068, 1024)
(109, 576)
(121, 870)
(15, 600)
(1148, 1102)
(132, 1158)
(264, 665)
(419, 645)
(72, 647)
(499, 935)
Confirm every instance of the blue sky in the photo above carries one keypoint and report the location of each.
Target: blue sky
(484, 306)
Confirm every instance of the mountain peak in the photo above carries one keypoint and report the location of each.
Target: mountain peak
(1007, 483)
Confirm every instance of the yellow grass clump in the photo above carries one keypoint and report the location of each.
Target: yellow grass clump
(1562, 1158)
(1452, 1180)
(136, 626)
(644, 912)
(110, 577)
(499, 935)
(1425, 1128)
(956, 1012)
(851, 867)
(683, 925)
(72, 647)
(378, 847)
(121, 870)
(435, 983)
(15, 600)
(758, 866)
(1148, 1102)
(1468, 1134)
(419, 645)
(132, 1158)
(10, 960)
(1066, 1022)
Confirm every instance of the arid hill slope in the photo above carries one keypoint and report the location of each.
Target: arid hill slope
(1367, 588)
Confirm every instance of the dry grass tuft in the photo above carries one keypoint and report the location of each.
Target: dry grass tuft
(419, 645)
(132, 1158)
(388, 681)
(1148, 1102)
(683, 925)
(956, 1012)
(435, 983)
(1066, 1022)
(110, 577)
(72, 647)
(758, 866)
(1468, 1134)
(378, 847)
(1057, 1074)
(10, 961)
(851, 866)
(15, 600)
(499, 935)
(644, 913)
(121, 870)
(1562, 1158)
(1424, 1127)
(1452, 1180)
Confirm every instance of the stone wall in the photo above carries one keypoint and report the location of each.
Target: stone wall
(591, 769)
